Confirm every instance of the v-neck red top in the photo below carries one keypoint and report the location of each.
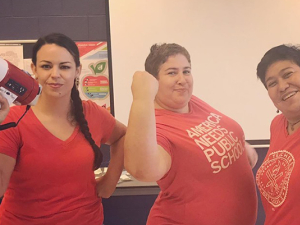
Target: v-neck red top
(278, 176)
(53, 181)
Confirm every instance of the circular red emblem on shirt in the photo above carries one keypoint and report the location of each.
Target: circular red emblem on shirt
(273, 176)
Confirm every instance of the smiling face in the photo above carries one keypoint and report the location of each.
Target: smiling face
(55, 70)
(175, 84)
(283, 84)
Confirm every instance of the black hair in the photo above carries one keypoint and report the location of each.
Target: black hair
(67, 43)
(278, 53)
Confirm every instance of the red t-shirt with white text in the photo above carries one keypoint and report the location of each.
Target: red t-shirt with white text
(278, 177)
(210, 180)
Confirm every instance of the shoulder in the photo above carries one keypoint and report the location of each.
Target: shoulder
(197, 104)
(15, 112)
(13, 136)
(92, 107)
(86, 104)
(100, 121)
(17, 109)
(96, 113)
(197, 101)
(278, 120)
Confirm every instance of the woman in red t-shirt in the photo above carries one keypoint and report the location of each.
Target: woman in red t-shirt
(47, 162)
(195, 153)
(278, 177)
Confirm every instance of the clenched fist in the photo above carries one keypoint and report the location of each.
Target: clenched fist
(144, 86)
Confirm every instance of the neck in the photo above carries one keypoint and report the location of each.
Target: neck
(184, 109)
(54, 107)
(293, 125)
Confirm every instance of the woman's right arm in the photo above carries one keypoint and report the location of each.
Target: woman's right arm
(7, 165)
(144, 159)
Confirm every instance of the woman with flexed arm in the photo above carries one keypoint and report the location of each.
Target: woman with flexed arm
(196, 154)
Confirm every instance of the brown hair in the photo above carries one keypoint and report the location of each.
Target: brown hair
(159, 54)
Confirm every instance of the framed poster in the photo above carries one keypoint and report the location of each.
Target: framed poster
(94, 82)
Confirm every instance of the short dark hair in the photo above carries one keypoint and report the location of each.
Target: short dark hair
(278, 53)
(159, 54)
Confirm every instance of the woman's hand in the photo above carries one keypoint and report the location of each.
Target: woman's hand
(4, 109)
(105, 186)
(144, 86)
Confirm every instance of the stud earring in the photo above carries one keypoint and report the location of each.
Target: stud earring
(77, 82)
(277, 110)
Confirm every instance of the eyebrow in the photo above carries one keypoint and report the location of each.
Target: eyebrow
(279, 72)
(51, 62)
(174, 68)
(270, 78)
(285, 69)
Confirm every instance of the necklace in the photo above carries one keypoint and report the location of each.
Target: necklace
(291, 125)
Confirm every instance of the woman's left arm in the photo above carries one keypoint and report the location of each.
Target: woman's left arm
(106, 184)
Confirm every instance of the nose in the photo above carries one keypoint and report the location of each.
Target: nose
(55, 72)
(181, 78)
(283, 84)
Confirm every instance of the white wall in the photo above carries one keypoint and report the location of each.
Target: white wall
(226, 40)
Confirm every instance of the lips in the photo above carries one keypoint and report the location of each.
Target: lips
(180, 89)
(55, 85)
(288, 95)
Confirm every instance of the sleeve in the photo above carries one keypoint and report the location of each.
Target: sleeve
(101, 123)
(10, 139)
(162, 140)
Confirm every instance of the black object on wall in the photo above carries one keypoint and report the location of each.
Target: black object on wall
(30, 19)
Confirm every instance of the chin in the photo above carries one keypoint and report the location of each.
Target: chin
(183, 101)
(181, 104)
(55, 94)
